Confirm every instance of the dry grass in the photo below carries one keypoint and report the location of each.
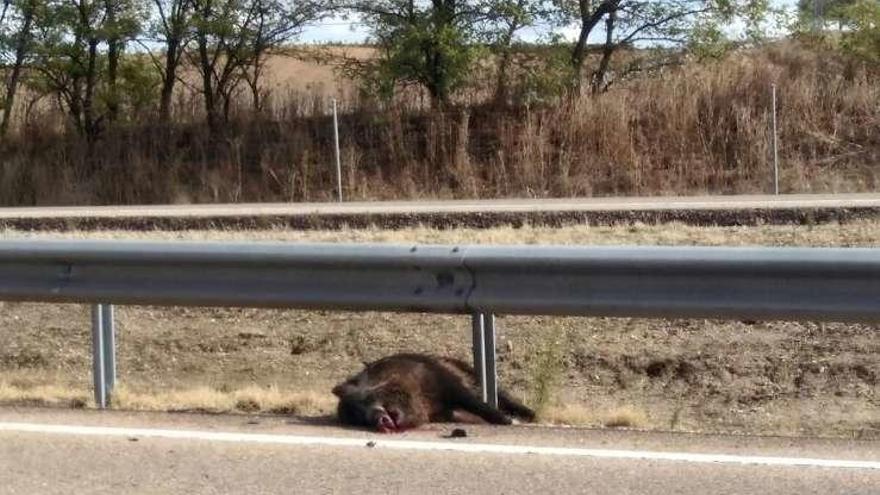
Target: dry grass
(574, 415)
(578, 415)
(625, 417)
(48, 395)
(547, 366)
(865, 233)
(700, 129)
(250, 399)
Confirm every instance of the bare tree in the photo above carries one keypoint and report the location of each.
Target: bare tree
(20, 46)
(114, 30)
(172, 28)
(276, 22)
(220, 40)
(232, 40)
(507, 17)
(86, 19)
(77, 45)
(664, 23)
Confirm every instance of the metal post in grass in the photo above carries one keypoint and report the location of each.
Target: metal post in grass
(103, 353)
(338, 157)
(490, 390)
(775, 146)
(483, 325)
(109, 342)
(100, 382)
(479, 343)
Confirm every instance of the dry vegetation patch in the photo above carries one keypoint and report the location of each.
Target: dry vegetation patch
(864, 233)
(702, 128)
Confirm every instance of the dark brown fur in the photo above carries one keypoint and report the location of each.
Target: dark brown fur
(407, 390)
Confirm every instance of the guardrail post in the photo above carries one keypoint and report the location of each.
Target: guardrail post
(483, 325)
(98, 357)
(491, 388)
(103, 353)
(109, 349)
(477, 325)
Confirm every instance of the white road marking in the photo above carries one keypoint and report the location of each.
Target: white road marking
(457, 446)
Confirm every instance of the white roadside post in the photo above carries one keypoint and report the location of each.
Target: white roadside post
(775, 147)
(338, 157)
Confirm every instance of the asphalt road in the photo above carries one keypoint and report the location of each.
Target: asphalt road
(863, 200)
(188, 453)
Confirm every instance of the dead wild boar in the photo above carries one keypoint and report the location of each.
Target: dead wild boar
(404, 391)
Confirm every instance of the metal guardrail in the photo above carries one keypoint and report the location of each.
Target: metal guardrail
(319, 276)
(758, 283)
(676, 282)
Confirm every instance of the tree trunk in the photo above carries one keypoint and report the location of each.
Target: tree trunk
(206, 67)
(90, 121)
(3, 12)
(589, 20)
(227, 105)
(113, 51)
(502, 91)
(207, 83)
(15, 75)
(437, 83)
(73, 98)
(254, 82)
(175, 22)
(598, 83)
(169, 79)
(501, 86)
(437, 76)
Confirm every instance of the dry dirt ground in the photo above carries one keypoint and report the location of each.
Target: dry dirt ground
(696, 375)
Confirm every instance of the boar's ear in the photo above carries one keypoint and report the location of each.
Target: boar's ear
(339, 390)
(343, 388)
